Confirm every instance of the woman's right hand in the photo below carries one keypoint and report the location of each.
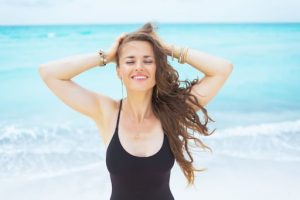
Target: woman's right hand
(111, 53)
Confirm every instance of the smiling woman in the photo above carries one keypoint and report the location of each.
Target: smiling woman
(137, 69)
(146, 131)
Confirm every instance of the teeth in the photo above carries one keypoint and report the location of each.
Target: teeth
(139, 77)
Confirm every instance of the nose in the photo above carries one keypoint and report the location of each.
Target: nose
(139, 65)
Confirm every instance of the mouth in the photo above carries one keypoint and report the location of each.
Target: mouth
(139, 77)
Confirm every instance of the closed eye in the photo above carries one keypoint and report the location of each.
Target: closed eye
(145, 62)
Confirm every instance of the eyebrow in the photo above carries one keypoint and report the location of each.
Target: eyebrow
(146, 56)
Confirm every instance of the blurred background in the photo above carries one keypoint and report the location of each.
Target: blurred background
(49, 151)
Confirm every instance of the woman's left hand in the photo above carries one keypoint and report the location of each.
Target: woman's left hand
(161, 41)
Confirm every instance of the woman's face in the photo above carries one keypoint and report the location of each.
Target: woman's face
(137, 66)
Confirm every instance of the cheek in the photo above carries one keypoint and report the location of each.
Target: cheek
(153, 76)
(153, 72)
(124, 73)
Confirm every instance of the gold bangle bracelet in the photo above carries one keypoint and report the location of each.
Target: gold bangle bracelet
(185, 55)
(181, 55)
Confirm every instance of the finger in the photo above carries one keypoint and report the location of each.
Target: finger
(122, 36)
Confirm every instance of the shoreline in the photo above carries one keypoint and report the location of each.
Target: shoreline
(226, 178)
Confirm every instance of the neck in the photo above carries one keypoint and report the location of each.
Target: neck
(138, 106)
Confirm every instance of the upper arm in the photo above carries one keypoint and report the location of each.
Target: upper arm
(78, 98)
(208, 87)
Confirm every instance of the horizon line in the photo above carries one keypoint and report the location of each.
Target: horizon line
(157, 22)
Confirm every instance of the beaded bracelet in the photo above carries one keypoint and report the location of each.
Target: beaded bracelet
(102, 57)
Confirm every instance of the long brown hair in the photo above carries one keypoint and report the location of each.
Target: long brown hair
(169, 102)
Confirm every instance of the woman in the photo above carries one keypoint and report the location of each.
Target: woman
(146, 131)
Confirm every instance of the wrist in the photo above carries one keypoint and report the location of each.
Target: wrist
(105, 57)
(175, 50)
(109, 57)
(180, 53)
(168, 49)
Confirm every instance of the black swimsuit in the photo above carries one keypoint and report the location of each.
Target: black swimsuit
(139, 178)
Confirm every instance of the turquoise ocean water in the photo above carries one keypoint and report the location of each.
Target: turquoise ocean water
(257, 112)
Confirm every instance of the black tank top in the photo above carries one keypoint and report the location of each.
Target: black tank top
(139, 178)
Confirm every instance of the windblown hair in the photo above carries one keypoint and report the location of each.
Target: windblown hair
(170, 99)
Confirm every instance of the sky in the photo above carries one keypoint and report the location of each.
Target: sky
(13, 12)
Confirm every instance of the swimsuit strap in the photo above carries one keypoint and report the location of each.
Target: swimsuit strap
(120, 107)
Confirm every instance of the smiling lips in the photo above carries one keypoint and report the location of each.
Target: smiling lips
(139, 77)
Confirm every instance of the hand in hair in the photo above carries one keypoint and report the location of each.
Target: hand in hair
(159, 39)
(111, 54)
(150, 28)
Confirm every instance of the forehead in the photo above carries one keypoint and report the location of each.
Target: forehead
(137, 49)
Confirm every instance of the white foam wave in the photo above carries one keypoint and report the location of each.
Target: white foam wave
(275, 128)
(54, 173)
(39, 149)
(269, 141)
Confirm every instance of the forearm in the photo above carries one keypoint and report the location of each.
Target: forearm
(208, 64)
(69, 67)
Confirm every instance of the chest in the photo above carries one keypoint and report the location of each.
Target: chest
(136, 148)
(121, 161)
(142, 140)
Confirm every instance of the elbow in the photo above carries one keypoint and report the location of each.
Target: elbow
(228, 68)
(42, 71)
(230, 64)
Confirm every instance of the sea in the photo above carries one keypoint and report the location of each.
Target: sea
(49, 151)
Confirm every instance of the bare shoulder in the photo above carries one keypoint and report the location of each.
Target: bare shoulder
(106, 120)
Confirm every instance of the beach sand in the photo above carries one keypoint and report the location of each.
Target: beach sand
(226, 178)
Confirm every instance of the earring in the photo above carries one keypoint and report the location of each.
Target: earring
(156, 93)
